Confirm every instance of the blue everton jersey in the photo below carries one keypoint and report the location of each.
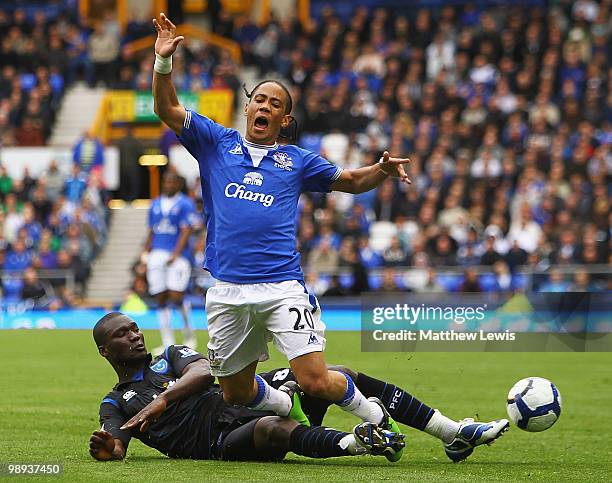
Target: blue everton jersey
(166, 226)
(251, 206)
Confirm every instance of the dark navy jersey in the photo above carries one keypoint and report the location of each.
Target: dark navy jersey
(251, 206)
(196, 426)
(184, 429)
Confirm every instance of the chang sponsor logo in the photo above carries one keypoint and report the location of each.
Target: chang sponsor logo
(235, 190)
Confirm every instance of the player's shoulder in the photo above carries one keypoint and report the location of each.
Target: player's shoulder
(113, 397)
(177, 350)
(195, 119)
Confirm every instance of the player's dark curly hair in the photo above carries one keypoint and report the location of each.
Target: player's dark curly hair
(288, 133)
(99, 333)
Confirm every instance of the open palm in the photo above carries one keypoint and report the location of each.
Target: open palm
(167, 40)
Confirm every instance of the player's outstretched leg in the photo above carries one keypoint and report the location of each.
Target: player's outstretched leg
(459, 438)
(316, 380)
(471, 434)
(271, 437)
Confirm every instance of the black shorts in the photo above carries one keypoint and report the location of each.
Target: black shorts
(230, 419)
(235, 425)
(313, 407)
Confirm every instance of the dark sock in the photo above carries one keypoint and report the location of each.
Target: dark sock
(403, 407)
(317, 442)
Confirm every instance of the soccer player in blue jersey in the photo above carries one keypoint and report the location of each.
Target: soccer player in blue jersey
(251, 187)
(167, 254)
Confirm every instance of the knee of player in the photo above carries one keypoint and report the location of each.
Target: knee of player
(346, 370)
(274, 432)
(315, 386)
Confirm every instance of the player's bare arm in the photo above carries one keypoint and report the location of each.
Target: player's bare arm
(367, 178)
(181, 244)
(165, 101)
(196, 378)
(103, 447)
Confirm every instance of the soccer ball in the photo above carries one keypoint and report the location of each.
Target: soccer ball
(534, 404)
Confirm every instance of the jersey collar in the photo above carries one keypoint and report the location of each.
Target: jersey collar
(139, 376)
(269, 147)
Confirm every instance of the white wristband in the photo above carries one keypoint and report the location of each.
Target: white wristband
(163, 65)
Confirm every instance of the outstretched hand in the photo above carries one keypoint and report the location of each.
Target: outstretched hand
(101, 445)
(149, 414)
(394, 167)
(167, 40)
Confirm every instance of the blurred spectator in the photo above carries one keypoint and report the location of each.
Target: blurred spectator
(38, 293)
(130, 150)
(556, 282)
(103, 50)
(88, 153)
(470, 281)
(389, 282)
(334, 289)
(323, 258)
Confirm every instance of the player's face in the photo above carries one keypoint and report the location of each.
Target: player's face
(124, 342)
(266, 113)
(170, 185)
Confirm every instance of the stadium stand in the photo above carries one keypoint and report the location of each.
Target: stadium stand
(505, 113)
(51, 229)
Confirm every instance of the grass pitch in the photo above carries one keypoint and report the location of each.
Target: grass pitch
(56, 381)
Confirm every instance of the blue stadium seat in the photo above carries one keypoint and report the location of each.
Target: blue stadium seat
(375, 281)
(519, 281)
(450, 282)
(346, 280)
(488, 283)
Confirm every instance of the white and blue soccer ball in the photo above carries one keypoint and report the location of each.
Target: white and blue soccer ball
(534, 404)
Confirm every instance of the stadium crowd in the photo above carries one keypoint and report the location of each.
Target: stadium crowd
(54, 224)
(505, 113)
(45, 51)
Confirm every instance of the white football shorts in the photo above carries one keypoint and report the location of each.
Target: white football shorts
(243, 318)
(162, 277)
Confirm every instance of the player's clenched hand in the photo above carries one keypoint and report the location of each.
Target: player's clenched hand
(167, 40)
(101, 445)
(147, 415)
(394, 167)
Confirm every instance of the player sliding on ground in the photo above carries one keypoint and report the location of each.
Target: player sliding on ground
(171, 404)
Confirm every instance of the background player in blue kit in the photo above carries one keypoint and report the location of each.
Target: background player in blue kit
(167, 256)
(250, 188)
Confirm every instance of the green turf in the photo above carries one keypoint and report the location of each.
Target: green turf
(55, 380)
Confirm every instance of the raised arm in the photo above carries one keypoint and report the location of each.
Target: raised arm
(165, 102)
(196, 378)
(367, 178)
